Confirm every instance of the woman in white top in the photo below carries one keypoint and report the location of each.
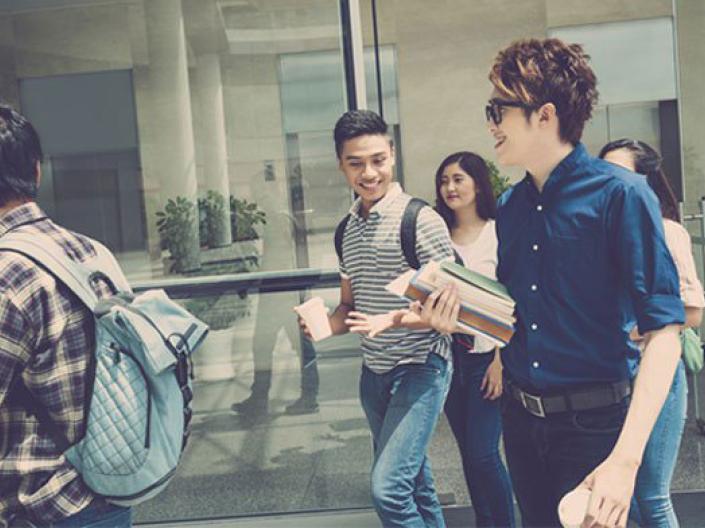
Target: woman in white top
(465, 200)
(652, 491)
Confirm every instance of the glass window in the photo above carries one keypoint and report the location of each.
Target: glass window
(194, 137)
(634, 60)
(265, 458)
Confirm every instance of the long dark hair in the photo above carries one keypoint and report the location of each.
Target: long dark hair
(477, 169)
(649, 163)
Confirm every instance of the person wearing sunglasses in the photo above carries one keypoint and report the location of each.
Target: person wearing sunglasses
(581, 249)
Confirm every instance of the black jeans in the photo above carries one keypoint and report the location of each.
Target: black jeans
(548, 457)
(477, 425)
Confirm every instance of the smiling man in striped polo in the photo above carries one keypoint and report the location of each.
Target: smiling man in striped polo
(405, 372)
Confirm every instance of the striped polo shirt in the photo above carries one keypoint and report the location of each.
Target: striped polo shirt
(372, 257)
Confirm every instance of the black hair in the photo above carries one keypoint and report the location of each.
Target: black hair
(356, 123)
(20, 151)
(476, 167)
(649, 163)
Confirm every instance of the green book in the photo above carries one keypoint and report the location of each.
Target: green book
(476, 279)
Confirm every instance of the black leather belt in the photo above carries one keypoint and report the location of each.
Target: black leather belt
(578, 399)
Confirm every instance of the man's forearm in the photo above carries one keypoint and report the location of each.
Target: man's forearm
(337, 319)
(658, 365)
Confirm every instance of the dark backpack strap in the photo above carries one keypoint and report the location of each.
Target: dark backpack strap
(339, 232)
(408, 233)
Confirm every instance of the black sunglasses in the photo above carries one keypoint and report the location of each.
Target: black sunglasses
(493, 109)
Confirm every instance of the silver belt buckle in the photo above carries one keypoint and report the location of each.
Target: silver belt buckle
(533, 404)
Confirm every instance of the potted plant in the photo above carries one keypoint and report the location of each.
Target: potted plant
(212, 220)
(500, 183)
(244, 218)
(176, 227)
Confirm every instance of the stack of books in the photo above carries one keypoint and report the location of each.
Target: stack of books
(486, 308)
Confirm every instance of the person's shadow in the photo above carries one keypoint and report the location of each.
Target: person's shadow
(274, 312)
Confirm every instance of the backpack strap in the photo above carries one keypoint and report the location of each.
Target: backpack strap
(107, 265)
(339, 232)
(77, 276)
(50, 256)
(408, 233)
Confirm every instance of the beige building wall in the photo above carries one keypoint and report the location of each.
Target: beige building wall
(691, 55)
(444, 56)
(74, 40)
(8, 74)
(254, 134)
(575, 12)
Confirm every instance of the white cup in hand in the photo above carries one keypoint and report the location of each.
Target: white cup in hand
(573, 507)
(315, 314)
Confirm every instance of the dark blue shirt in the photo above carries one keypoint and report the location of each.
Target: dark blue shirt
(584, 260)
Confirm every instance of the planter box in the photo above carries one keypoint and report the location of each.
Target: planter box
(238, 257)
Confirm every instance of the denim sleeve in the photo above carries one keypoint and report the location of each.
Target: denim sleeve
(645, 264)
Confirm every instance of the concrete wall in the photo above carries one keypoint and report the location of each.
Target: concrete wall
(575, 12)
(65, 41)
(8, 74)
(691, 52)
(444, 56)
(254, 134)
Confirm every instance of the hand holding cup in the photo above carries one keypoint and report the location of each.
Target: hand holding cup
(313, 319)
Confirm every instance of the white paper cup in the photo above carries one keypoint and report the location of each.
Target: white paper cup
(573, 507)
(315, 315)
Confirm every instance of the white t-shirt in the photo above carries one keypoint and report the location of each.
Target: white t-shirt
(481, 257)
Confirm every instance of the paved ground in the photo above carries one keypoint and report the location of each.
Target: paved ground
(690, 508)
(304, 463)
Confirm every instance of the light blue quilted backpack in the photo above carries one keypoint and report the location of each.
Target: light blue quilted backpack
(137, 419)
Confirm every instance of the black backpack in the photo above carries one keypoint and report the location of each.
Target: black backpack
(407, 234)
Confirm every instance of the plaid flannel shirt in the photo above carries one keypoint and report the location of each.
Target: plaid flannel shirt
(46, 338)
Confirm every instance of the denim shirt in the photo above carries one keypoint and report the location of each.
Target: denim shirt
(584, 259)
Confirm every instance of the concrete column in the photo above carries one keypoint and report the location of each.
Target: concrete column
(690, 20)
(168, 154)
(9, 88)
(213, 144)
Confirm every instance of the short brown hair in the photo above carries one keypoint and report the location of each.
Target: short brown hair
(537, 72)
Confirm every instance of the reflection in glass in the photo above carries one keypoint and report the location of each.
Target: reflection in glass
(270, 458)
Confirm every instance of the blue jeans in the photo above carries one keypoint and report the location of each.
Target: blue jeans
(402, 407)
(98, 514)
(548, 457)
(477, 425)
(653, 482)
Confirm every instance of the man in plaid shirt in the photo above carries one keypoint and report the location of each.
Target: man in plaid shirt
(46, 338)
